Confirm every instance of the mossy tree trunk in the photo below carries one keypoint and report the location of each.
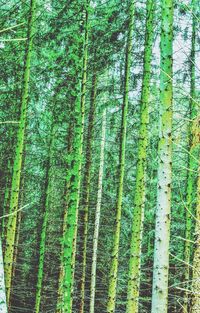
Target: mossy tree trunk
(6, 199)
(139, 195)
(115, 251)
(195, 307)
(67, 189)
(14, 195)
(73, 181)
(189, 205)
(84, 210)
(45, 214)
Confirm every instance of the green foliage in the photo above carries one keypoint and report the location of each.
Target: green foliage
(55, 99)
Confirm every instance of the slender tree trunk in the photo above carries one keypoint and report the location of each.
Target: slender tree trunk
(17, 236)
(16, 243)
(6, 203)
(195, 308)
(67, 189)
(3, 305)
(83, 212)
(191, 166)
(70, 227)
(139, 197)
(162, 230)
(6, 200)
(97, 216)
(115, 252)
(19, 215)
(40, 273)
(14, 196)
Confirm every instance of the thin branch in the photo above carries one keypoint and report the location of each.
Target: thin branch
(186, 94)
(184, 149)
(14, 39)
(184, 239)
(11, 27)
(10, 214)
(175, 257)
(189, 291)
(9, 122)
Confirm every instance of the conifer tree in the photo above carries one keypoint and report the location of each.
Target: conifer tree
(139, 196)
(97, 216)
(163, 211)
(189, 207)
(84, 210)
(14, 195)
(195, 307)
(43, 230)
(115, 250)
(74, 179)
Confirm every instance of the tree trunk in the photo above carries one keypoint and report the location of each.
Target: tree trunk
(191, 166)
(14, 196)
(45, 213)
(17, 234)
(115, 252)
(195, 308)
(84, 211)
(74, 178)
(97, 216)
(162, 230)
(67, 189)
(6, 200)
(3, 305)
(139, 197)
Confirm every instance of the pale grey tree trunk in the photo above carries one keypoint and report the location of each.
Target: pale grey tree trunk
(3, 305)
(162, 230)
(97, 216)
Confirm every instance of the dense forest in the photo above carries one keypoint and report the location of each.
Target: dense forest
(99, 156)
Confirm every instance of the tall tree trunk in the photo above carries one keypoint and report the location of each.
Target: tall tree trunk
(162, 229)
(17, 234)
(45, 214)
(115, 252)
(67, 189)
(97, 215)
(195, 308)
(84, 211)
(6, 199)
(191, 166)
(14, 196)
(74, 178)
(3, 305)
(139, 196)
